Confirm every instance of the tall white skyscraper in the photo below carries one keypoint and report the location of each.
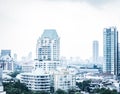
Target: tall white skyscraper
(110, 48)
(48, 46)
(95, 51)
(48, 50)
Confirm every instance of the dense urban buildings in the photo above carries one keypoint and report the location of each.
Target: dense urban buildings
(95, 51)
(50, 73)
(46, 72)
(110, 48)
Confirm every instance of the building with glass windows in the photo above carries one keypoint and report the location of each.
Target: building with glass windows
(7, 63)
(37, 80)
(64, 79)
(48, 46)
(48, 50)
(110, 50)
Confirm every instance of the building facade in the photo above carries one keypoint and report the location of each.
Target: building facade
(48, 50)
(110, 50)
(47, 65)
(37, 80)
(119, 60)
(64, 79)
(48, 46)
(7, 63)
(95, 51)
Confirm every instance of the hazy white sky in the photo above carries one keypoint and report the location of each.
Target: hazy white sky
(78, 23)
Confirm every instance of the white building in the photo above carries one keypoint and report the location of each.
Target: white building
(7, 63)
(47, 65)
(64, 79)
(48, 50)
(48, 46)
(27, 66)
(38, 80)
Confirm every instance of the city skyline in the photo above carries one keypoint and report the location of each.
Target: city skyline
(77, 23)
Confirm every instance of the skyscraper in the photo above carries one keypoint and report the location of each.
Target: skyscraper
(48, 46)
(95, 51)
(119, 59)
(110, 50)
(48, 50)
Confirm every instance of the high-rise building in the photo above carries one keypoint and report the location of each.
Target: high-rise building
(48, 50)
(95, 51)
(119, 59)
(48, 46)
(110, 50)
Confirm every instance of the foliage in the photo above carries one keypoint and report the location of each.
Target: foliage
(59, 91)
(71, 91)
(15, 88)
(105, 91)
(84, 86)
(19, 88)
(40, 92)
(14, 74)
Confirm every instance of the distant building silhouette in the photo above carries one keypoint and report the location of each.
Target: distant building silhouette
(15, 57)
(95, 51)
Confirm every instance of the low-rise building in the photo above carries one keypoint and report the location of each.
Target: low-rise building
(27, 66)
(47, 65)
(64, 79)
(7, 63)
(37, 80)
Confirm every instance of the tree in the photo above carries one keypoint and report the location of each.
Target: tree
(71, 91)
(41, 92)
(20, 88)
(84, 85)
(14, 74)
(60, 91)
(105, 91)
(16, 88)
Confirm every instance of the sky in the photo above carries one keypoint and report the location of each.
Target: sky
(77, 22)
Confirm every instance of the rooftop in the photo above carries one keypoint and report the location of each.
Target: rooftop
(50, 33)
